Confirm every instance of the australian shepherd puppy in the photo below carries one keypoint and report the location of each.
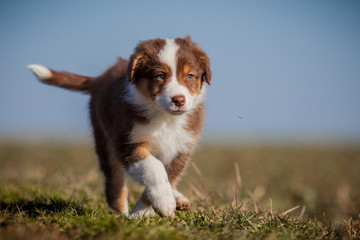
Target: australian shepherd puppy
(146, 114)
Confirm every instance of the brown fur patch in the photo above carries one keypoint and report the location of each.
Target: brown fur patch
(182, 205)
(176, 168)
(141, 151)
(197, 55)
(186, 69)
(69, 80)
(145, 200)
(143, 58)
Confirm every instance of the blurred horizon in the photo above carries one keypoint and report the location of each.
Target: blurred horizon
(282, 70)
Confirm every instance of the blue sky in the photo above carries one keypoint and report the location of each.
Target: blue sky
(289, 69)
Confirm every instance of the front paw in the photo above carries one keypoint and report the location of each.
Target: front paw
(163, 200)
(182, 203)
(142, 208)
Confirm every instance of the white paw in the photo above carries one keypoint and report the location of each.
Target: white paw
(123, 213)
(146, 212)
(40, 71)
(141, 210)
(162, 199)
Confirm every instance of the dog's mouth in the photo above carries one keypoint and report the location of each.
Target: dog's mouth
(177, 112)
(170, 108)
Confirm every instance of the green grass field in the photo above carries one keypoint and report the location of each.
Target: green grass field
(54, 191)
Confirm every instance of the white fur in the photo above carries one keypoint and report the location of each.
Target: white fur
(151, 173)
(173, 88)
(168, 54)
(40, 71)
(143, 104)
(165, 133)
(166, 136)
(141, 210)
(125, 212)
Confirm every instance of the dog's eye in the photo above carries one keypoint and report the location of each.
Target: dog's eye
(160, 76)
(190, 76)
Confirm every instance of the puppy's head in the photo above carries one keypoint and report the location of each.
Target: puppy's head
(170, 74)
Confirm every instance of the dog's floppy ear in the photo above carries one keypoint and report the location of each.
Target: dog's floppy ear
(205, 64)
(200, 57)
(137, 61)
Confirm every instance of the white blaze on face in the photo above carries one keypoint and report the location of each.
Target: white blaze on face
(168, 56)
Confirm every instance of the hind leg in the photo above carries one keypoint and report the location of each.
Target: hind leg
(114, 172)
(115, 188)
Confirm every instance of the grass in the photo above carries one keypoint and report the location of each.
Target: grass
(55, 191)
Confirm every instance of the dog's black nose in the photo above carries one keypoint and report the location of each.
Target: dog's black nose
(179, 100)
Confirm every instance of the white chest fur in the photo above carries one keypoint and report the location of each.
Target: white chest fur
(165, 135)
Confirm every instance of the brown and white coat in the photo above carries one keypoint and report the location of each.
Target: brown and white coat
(147, 115)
